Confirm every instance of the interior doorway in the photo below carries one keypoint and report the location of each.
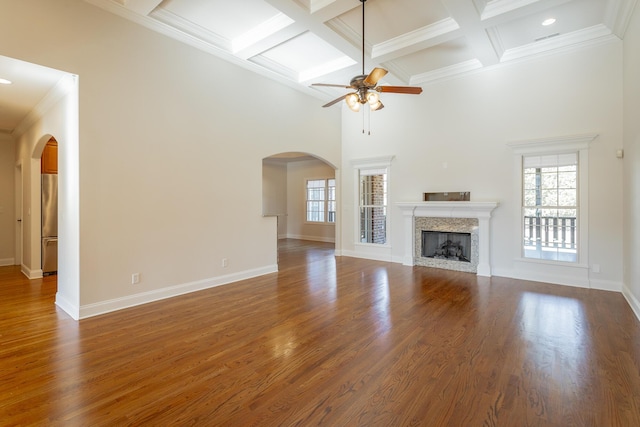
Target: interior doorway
(301, 192)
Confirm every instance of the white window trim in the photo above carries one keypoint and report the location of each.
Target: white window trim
(370, 163)
(324, 223)
(556, 145)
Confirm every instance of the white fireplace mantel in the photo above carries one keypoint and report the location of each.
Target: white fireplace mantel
(480, 210)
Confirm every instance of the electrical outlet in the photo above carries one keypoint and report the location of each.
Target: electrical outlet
(225, 263)
(135, 278)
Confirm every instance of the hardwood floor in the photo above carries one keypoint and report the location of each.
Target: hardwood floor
(325, 341)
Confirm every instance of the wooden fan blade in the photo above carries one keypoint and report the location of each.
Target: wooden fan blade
(335, 101)
(414, 90)
(330, 85)
(375, 75)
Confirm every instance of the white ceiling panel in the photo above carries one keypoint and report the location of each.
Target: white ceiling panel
(388, 19)
(228, 19)
(308, 56)
(442, 55)
(571, 16)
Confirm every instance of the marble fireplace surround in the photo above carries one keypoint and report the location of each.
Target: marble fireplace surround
(480, 211)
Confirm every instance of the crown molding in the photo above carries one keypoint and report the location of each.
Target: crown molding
(571, 41)
(618, 16)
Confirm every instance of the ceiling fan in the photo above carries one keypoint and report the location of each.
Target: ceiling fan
(366, 85)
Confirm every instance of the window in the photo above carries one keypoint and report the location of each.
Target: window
(373, 205)
(554, 219)
(371, 196)
(321, 200)
(550, 207)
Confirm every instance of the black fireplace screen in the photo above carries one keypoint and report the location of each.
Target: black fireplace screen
(443, 245)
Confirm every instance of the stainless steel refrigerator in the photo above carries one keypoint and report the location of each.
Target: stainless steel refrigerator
(49, 223)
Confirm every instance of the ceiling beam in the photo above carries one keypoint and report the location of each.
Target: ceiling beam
(467, 17)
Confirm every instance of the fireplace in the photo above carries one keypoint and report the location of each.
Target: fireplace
(451, 243)
(445, 245)
(471, 219)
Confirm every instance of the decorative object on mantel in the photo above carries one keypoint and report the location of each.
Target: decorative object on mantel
(450, 196)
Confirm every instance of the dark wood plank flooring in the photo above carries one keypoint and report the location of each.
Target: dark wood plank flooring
(325, 341)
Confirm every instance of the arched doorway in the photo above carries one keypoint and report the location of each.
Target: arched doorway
(61, 121)
(301, 191)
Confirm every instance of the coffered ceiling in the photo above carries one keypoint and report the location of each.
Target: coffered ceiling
(299, 42)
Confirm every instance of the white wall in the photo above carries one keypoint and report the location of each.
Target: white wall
(7, 200)
(454, 137)
(170, 152)
(632, 162)
(274, 193)
(297, 175)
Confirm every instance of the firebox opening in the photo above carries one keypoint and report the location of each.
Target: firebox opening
(444, 245)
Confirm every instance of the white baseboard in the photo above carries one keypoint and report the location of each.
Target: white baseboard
(632, 300)
(564, 280)
(68, 307)
(31, 274)
(606, 285)
(312, 238)
(373, 257)
(538, 276)
(103, 307)
(7, 261)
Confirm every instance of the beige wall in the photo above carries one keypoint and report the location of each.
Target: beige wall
(632, 162)
(170, 150)
(7, 200)
(454, 137)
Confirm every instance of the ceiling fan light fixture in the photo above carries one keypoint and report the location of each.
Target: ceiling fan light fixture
(375, 106)
(373, 98)
(353, 102)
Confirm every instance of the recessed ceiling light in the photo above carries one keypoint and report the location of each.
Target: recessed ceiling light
(548, 21)
(5, 82)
